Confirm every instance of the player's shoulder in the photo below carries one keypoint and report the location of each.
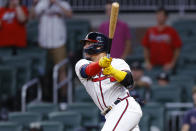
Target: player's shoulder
(120, 63)
(118, 60)
(81, 63)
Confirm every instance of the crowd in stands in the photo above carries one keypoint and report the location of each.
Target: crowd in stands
(161, 45)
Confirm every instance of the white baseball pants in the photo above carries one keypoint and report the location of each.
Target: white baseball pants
(124, 116)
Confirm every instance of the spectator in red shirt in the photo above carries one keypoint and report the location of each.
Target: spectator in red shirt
(12, 24)
(161, 44)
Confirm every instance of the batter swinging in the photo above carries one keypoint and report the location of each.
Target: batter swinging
(107, 81)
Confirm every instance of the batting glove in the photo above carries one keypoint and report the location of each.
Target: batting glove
(117, 74)
(105, 62)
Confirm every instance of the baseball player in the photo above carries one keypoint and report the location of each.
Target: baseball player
(106, 80)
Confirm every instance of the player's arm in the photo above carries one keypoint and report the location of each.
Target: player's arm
(89, 70)
(123, 77)
(92, 69)
(185, 127)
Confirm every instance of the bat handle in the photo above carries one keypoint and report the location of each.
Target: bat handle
(109, 47)
(108, 55)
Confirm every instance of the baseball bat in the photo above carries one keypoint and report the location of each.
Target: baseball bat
(112, 27)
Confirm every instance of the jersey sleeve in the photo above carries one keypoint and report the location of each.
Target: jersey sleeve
(176, 39)
(120, 64)
(78, 67)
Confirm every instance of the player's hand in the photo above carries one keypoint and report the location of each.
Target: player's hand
(105, 62)
(108, 70)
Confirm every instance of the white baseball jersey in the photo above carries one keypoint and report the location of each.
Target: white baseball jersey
(52, 28)
(104, 90)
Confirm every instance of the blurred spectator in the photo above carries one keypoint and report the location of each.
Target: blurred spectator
(52, 30)
(189, 122)
(121, 44)
(163, 79)
(161, 44)
(140, 80)
(12, 25)
(1, 3)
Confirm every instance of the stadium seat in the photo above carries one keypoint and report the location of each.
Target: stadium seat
(43, 108)
(81, 95)
(166, 94)
(24, 118)
(32, 32)
(5, 52)
(38, 57)
(145, 122)
(88, 111)
(186, 29)
(10, 126)
(156, 112)
(184, 82)
(77, 29)
(51, 126)
(70, 119)
(8, 82)
(22, 65)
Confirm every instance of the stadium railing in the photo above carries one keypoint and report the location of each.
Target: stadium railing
(57, 84)
(24, 92)
(174, 115)
(129, 5)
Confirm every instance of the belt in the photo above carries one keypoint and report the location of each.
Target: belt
(110, 107)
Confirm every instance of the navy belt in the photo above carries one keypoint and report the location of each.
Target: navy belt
(110, 107)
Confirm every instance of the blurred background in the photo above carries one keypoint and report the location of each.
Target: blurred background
(40, 44)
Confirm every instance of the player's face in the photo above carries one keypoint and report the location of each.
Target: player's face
(87, 56)
(161, 18)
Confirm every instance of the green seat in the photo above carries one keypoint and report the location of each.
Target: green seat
(166, 94)
(145, 122)
(10, 126)
(24, 118)
(32, 32)
(186, 29)
(89, 112)
(81, 95)
(42, 108)
(38, 57)
(51, 126)
(8, 82)
(186, 83)
(22, 65)
(156, 112)
(77, 29)
(69, 119)
(5, 52)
